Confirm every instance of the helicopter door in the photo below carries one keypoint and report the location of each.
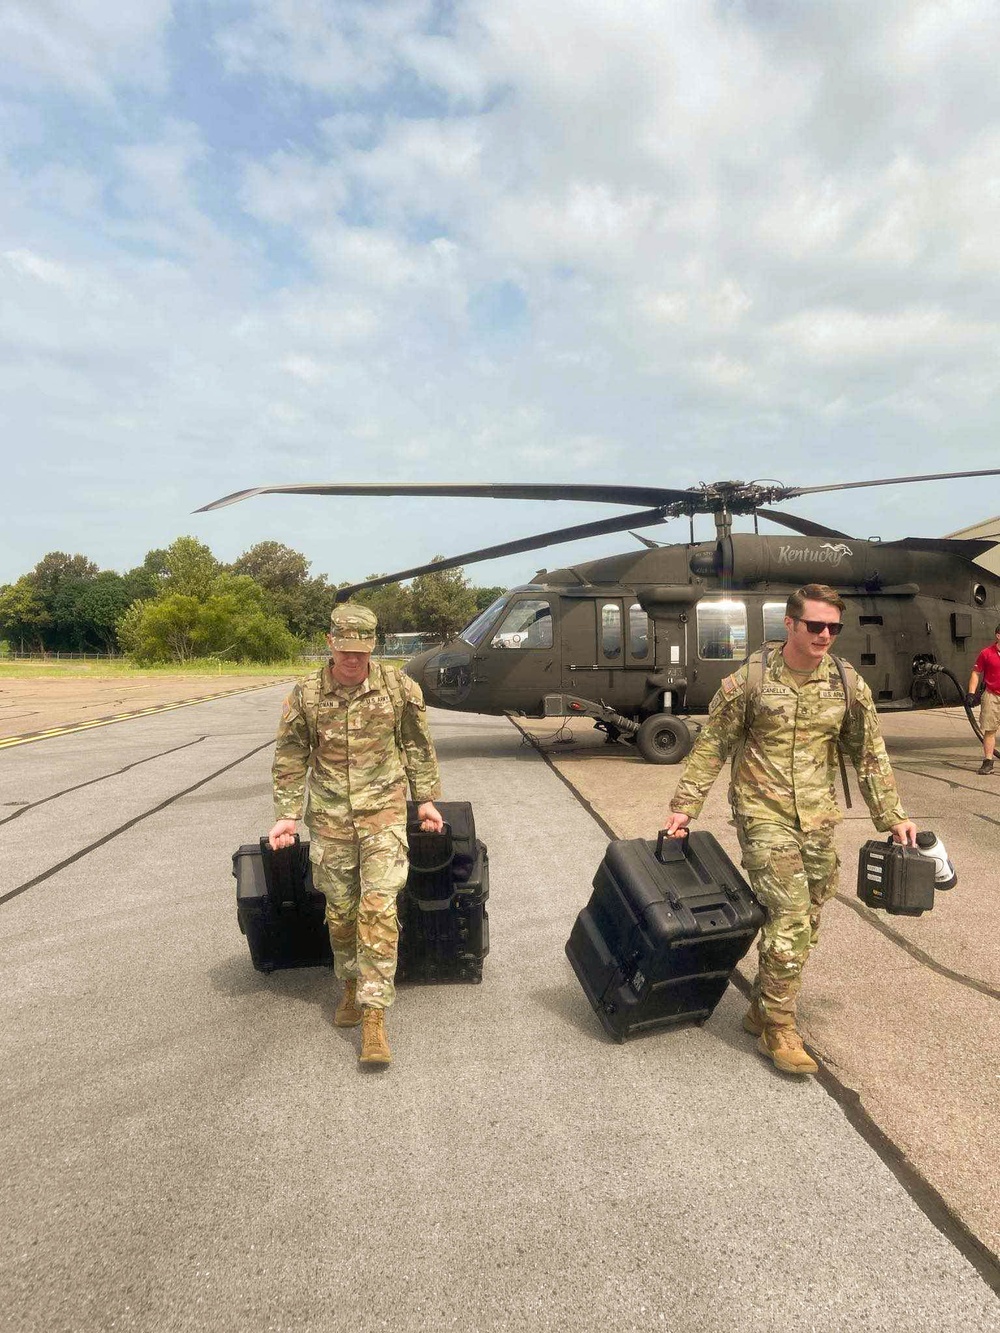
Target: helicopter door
(519, 663)
(607, 649)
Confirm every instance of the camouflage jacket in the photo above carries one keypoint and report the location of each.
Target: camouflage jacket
(359, 759)
(786, 767)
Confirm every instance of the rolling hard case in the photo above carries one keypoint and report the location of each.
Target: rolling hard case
(277, 908)
(899, 880)
(444, 929)
(665, 926)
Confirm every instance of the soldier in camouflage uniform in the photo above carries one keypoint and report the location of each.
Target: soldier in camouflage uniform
(783, 741)
(359, 729)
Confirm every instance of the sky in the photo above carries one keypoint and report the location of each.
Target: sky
(276, 241)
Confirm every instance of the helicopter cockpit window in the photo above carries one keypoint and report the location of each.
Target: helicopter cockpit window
(774, 621)
(722, 631)
(527, 624)
(476, 629)
(611, 629)
(638, 631)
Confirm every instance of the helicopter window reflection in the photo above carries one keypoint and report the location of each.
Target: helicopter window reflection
(638, 631)
(722, 630)
(476, 629)
(774, 622)
(527, 624)
(611, 629)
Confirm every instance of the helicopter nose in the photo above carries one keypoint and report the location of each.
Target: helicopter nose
(444, 674)
(414, 667)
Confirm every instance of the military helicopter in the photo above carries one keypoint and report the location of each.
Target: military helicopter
(640, 642)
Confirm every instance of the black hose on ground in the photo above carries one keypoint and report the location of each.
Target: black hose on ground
(938, 670)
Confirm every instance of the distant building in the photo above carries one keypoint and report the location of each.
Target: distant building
(408, 645)
(990, 527)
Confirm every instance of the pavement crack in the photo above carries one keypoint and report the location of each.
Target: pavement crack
(66, 791)
(914, 950)
(130, 823)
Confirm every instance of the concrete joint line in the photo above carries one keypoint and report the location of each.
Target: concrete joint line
(130, 823)
(67, 791)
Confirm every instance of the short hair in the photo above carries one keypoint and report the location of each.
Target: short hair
(813, 592)
(997, 630)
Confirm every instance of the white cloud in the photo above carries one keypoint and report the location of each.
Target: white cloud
(84, 47)
(339, 45)
(850, 335)
(35, 266)
(739, 223)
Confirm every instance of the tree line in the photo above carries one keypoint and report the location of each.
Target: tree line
(182, 603)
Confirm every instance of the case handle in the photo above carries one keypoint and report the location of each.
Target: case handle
(413, 826)
(682, 841)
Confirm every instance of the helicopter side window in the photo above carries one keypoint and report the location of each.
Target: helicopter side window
(722, 631)
(774, 621)
(638, 631)
(611, 629)
(527, 624)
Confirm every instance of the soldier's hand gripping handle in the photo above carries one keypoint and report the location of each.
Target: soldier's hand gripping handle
(282, 835)
(430, 817)
(676, 826)
(905, 832)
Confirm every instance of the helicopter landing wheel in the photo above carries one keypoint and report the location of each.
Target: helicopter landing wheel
(663, 739)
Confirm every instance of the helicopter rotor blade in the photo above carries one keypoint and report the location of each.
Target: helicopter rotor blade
(596, 494)
(794, 491)
(805, 526)
(641, 519)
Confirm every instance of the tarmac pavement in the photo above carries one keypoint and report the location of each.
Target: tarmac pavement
(903, 1011)
(190, 1145)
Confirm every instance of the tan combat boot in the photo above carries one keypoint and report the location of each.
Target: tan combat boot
(753, 1020)
(348, 1013)
(374, 1046)
(784, 1047)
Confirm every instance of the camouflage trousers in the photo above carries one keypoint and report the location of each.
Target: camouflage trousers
(360, 879)
(793, 874)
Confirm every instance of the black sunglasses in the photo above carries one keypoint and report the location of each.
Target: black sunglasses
(818, 626)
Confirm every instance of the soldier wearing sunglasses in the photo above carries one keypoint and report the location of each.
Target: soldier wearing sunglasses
(781, 725)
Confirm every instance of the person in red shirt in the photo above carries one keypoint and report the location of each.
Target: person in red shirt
(987, 670)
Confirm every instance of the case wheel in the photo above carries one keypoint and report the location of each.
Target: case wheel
(663, 739)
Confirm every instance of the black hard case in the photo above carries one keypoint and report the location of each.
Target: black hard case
(665, 926)
(277, 908)
(896, 878)
(444, 927)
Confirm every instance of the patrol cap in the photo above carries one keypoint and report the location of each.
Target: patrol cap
(352, 628)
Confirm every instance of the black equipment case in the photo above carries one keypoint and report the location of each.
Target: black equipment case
(444, 930)
(665, 926)
(897, 878)
(278, 910)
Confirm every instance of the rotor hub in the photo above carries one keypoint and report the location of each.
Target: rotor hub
(729, 497)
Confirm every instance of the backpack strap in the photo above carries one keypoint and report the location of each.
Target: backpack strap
(394, 689)
(311, 687)
(849, 681)
(753, 683)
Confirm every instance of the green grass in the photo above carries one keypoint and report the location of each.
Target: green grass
(117, 668)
